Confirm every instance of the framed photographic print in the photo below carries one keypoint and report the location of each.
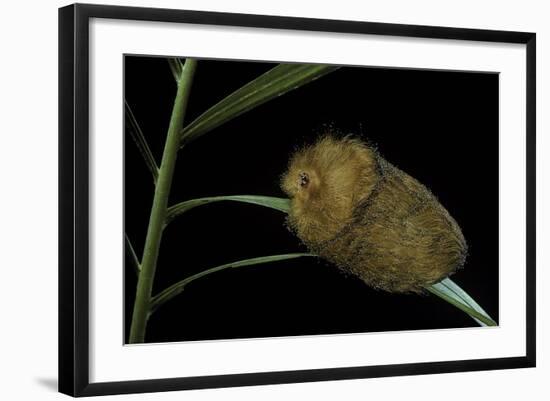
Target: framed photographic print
(250, 199)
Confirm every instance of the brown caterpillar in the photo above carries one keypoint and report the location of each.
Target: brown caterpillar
(358, 211)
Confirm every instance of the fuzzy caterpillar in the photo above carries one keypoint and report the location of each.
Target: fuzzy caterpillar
(353, 208)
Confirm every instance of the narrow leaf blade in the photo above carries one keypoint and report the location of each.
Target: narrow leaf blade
(452, 286)
(133, 256)
(178, 287)
(141, 143)
(281, 204)
(176, 66)
(449, 293)
(445, 289)
(275, 82)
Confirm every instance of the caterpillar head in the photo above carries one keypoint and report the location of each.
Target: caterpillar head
(325, 181)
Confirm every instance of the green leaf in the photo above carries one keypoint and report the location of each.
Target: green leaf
(176, 66)
(141, 143)
(445, 289)
(135, 260)
(275, 82)
(177, 288)
(452, 293)
(281, 204)
(452, 286)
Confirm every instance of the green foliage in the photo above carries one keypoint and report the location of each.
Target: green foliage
(279, 80)
(133, 257)
(281, 204)
(176, 66)
(141, 143)
(177, 288)
(449, 291)
(155, 229)
(276, 82)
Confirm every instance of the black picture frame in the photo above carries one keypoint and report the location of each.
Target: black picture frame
(74, 198)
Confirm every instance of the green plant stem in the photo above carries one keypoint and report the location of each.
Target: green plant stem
(160, 203)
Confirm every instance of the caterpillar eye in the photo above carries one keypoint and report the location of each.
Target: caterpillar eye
(303, 180)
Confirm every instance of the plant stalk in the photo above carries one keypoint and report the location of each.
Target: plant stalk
(160, 204)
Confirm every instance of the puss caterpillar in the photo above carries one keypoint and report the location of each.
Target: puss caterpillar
(353, 208)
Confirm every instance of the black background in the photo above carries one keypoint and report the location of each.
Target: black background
(441, 127)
